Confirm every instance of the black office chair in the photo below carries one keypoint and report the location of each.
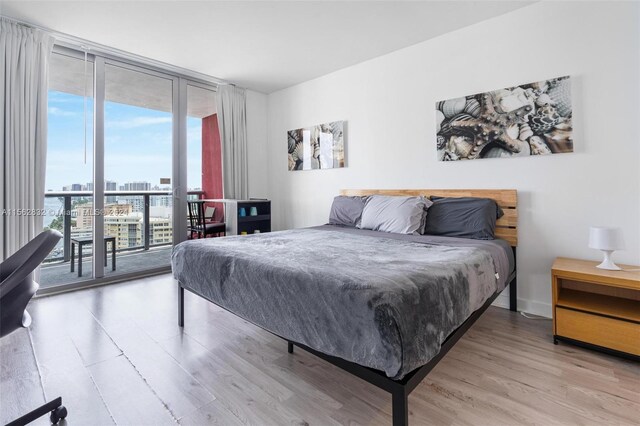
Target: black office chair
(17, 287)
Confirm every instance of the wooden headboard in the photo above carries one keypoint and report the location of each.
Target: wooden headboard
(507, 199)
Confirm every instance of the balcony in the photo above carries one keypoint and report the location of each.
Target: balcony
(143, 242)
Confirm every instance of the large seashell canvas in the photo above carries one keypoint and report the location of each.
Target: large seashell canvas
(317, 147)
(520, 121)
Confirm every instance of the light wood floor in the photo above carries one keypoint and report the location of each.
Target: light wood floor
(116, 355)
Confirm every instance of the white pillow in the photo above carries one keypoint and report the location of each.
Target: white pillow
(400, 215)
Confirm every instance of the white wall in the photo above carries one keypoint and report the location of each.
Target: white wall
(389, 105)
(257, 143)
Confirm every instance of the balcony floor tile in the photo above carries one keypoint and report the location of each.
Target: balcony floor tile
(60, 272)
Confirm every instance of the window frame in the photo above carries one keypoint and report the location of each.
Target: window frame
(99, 57)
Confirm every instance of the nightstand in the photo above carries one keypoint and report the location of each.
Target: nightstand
(596, 308)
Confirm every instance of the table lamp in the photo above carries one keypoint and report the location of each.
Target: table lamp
(607, 240)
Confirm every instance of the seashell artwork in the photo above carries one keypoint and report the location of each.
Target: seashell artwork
(513, 131)
(545, 119)
(529, 119)
(497, 152)
(560, 92)
(439, 119)
(472, 107)
(508, 100)
(544, 99)
(539, 146)
(446, 128)
(560, 138)
(462, 146)
(540, 86)
(453, 107)
(317, 147)
(525, 132)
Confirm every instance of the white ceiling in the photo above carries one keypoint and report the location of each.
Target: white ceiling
(262, 45)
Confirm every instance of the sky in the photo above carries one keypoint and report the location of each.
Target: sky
(137, 144)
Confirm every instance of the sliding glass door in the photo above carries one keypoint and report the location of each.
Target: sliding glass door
(119, 194)
(138, 143)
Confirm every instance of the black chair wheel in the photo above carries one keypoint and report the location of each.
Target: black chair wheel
(58, 414)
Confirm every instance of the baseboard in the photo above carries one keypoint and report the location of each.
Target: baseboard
(502, 301)
(524, 305)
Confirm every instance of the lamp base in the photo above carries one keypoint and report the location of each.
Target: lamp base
(607, 263)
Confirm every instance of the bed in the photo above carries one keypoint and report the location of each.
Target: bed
(385, 307)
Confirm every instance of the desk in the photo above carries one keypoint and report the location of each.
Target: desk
(87, 241)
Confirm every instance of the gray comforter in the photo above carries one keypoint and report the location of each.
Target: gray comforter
(381, 300)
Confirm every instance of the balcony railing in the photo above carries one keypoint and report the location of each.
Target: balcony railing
(67, 210)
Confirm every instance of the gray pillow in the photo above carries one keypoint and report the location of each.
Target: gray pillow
(400, 215)
(346, 211)
(464, 217)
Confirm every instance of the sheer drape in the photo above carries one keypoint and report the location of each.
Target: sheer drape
(24, 70)
(233, 136)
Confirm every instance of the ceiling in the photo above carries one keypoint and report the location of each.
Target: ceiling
(261, 45)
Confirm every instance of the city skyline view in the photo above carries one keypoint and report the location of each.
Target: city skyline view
(115, 186)
(138, 144)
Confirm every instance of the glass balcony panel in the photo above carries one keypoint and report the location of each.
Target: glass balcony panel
(71, 260)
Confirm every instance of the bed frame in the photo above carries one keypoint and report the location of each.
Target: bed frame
(506, 228)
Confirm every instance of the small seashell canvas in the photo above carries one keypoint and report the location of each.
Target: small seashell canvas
(317, 147)
(530, 119)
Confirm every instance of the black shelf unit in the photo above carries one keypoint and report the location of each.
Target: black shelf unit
(250, 224)
(237, 224)
(259, 218)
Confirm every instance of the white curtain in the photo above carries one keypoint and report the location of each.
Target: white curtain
(24, 71)
(232, 120)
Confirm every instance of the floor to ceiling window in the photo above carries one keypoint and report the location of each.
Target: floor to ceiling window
(151, 131)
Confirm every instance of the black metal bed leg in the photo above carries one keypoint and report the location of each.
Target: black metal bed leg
(290, 347)
(180, 305)
(513, 295)
(513, 286)
(400, 407)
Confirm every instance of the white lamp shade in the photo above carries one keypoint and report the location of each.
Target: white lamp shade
(605, 238)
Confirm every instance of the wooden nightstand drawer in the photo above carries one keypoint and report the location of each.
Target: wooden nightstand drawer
(607, 332)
